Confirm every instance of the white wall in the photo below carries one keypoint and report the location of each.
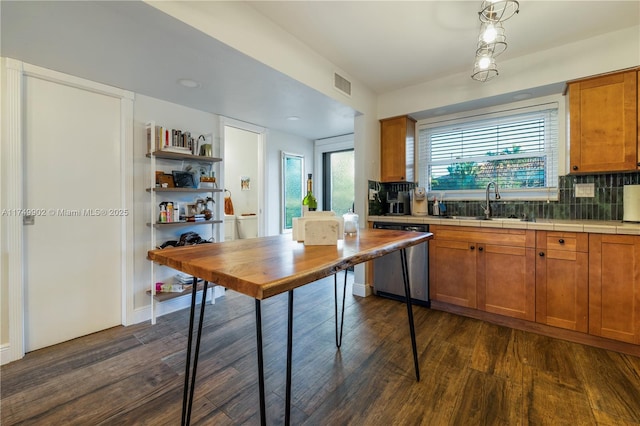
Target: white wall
(246, 30)
(608, 52)
(241, 159)
(276, 143)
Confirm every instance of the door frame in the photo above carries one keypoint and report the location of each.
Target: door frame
(321, 146)
(11, 158)
(262, 136)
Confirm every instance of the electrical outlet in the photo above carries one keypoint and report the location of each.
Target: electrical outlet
(585, 190)
(372, 194)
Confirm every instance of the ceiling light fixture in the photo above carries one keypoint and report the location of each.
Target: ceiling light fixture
(485, 67)
(498, 10)
(492, 40)
(187, 82)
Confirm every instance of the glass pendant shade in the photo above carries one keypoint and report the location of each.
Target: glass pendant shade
(492, 38)
(498, 10)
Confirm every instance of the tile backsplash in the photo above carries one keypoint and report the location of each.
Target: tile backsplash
(605, 205)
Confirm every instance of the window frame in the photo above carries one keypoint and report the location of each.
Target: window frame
(549, 193)
(283, 189)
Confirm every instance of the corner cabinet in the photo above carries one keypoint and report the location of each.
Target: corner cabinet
(162, 164)
(603, 129)
(397, 142)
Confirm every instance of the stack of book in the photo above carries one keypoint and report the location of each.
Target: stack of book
(171, 140)
(196, 218)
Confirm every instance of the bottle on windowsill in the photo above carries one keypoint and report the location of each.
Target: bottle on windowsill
(309, 202)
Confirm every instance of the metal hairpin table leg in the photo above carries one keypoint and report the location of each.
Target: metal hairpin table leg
(263, 418)
(407, 294)
(335, 300)
(287, 410)
(190, 375)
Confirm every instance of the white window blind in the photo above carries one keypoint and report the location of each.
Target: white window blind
(517, 149)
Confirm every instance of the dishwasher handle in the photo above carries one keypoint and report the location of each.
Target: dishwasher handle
(415, 228)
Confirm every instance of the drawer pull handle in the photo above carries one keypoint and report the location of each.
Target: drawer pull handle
(472, 247)
(541, 254)
(480, 249)
(561, 241)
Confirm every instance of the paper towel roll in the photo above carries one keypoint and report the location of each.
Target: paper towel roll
(631, 200)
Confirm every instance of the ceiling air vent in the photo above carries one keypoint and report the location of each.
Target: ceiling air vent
(342, 84)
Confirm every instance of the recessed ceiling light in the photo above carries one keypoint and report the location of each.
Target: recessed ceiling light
(293, 118)
(187, 82)
(521, 96)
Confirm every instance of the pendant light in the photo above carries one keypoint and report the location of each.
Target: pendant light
(485, 67)
(492, 40)
(498, 10)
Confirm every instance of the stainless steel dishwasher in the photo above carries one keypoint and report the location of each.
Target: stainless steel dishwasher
(387, 270)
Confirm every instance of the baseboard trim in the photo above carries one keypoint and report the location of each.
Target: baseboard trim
(362, 290)
(5, 354)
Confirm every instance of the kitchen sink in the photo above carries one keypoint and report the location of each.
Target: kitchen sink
(465, 217)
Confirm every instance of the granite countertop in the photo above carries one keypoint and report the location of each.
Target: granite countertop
(593, 226)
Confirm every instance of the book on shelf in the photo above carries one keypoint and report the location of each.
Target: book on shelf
(196, 218)
(170, 140)
(178, 149)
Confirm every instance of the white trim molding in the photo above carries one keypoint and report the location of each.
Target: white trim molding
(12, 164)
(262, 156)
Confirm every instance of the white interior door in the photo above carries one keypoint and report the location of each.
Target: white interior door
(73, 184)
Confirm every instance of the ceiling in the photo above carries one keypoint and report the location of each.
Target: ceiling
(385, 45)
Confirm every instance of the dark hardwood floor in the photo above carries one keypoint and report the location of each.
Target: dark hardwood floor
(473, 373)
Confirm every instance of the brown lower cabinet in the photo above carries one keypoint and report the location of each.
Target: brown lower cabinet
(489, 269)
(614, 287)
(586, 283)
(562, 279)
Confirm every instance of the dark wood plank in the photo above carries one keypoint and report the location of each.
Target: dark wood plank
(473, 372)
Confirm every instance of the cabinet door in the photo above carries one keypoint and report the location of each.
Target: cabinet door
(603, 124)
(562, 286)
(396, 149)
(452, 272)
(614, 287)
(506, 280)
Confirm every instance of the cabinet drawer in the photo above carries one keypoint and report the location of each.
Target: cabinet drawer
(477, 235)
(563, 241)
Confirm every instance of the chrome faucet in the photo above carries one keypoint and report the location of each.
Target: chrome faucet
(487, 206)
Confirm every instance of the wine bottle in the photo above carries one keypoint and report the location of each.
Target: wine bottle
(309, 202)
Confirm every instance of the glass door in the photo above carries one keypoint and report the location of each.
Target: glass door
(338, 185)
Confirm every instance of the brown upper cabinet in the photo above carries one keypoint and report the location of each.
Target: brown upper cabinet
(603, 114)
(397, 139)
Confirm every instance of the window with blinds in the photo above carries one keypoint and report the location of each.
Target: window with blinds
(517, 149)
